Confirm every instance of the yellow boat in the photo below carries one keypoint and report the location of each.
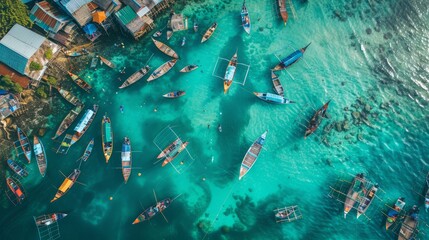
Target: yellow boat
(67, 184)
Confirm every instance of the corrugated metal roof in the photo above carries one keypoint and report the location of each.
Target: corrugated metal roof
(22, 41)
(143, 11)
(73, 5)
(126, 15)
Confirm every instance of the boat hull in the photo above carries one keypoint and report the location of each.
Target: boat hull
(25, 144)
(209, 32)
(252, 155)
(161, 70)
(16, 189)
(67, 184)
(126, 158)
(230, 73)
(153, 211)
(106, 138)
(39, 152)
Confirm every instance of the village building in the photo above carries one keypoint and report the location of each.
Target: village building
(132, 23)
(8, 104)
(108, 6)
(79, 10)
(49, 18)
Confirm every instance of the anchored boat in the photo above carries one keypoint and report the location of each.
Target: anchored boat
(126, 159)
(18, 169)
(153, 210)
(16, 189)
(107, 137)
(278, 88)
(245, 19)
(174, 152)
(163, 69)
(80, 82)
(209, 32)
(367, 200)
(39, 151)
(316, 120)
(25, 144)
(67, 95)
(136, 76)
(357, 187)
(393, 213)
(67, 184)
(252, 155)
(189, 68)
(409, 225)
(68, 120)
(169, 148)
(229, 73)
(174, 94)
(165, 49)
(107, 62)
(283, 11)
(88, 150)
(273, 98)
(48, 219)
(291, 59)
(84, 123)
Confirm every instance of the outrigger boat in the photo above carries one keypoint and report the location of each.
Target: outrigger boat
(252, 155)
(163, 69)
(367, 200)
(165, 49)
(427, 193)
(107, 62)
(245, 19)
(287, 214)
(189, 68)
(126, 159)
(25, 144)
(174, 94)
(150, 212)
(209, 32)
(273, 98)
(39, 151)
(291, 59)
(65, 144)
(16, 189)
(80, 82)
(283, 11)
(67, 184)
(355, 190)
(67, 95)
(135, 77)
(174, 153)
(68, 120)
(278, 88)
(229, 73)
(88, 150)
(409, 225)
(316, 120)
(107, 137)
(17, 168)
(393, 213)
(84, 123)
(169, 148)
(48, 219)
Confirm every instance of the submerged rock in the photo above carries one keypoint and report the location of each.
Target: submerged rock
(356, 115)
(368, 31)
(346, 125)
(338, 126)
(367, 107)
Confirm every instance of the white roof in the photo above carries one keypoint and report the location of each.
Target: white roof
(22, 41)
(229, 75)
(143, 11)
(38, 149)
(126, 156)
(84, 121)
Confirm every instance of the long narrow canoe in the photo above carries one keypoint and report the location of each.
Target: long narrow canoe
(230, 73)
(409, 225)
(283, 11)
(316, 120)
(25, 144)
(163, 69)
(169, 148)
(107, 137)
(80, 82)
(153, 210)
(68, 120)
(252, 155)
(16, 189)
(67, 95)
(88, 150)
(126, 158)
(245, 19)
(174, 153)
(39, 151)
(165, 49)
(209, 32)
(136, 76)
(366, 201)
(48, 219)
(189, 68)
(67, 184)
(291, 59)
(84, 124)
(273, 98)
(18, 169)
(107, 62)
(277, 84)
(355, 190)
(174, 94)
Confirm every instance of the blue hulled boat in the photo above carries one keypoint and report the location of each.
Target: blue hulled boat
(273, 98)
(291, 59)
(245, 19)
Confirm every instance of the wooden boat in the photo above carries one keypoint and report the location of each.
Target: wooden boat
(107, 137)
(80, 82)
(65, 144)
(183, 41)
(355, 190)
(126, 158)
(287, 214)
(69, 53)
(283, 11)
(25, 144)
(67, 184)
(107, 62)
(209, 32)
(427, 193)
(88, 150)
(367, 200)
(174, 153)
(17, 168)
(84, 123)
(163, 69)
(409, 225)
(165, 49)
(157, 34)
(153, 210)
(16, 189)
(316, 120)
(39, 152)
(189, 68)
(230, 73)
(68, 120)
(277, 84)
(273, 98)
(174, 94)
(136, 76)
(393, 213)
(252, 155)
(67, 95)
(245, 19)
(169, 148)
(291, 59)
(48, 219)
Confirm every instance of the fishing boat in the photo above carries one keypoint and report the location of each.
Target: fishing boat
(273, 98)
(183, 41)
(16, 189)
(189, 68)
(65, 144)
(174, 94)
(17, 168)
(80, 82)
(283, 11)
(195, 26)
(126, 158)
(107, 137)
(252, 155)
(136, 76)
(67, 95)
(68, 120)
(157, 34)
(209, 32)
(165, 49)
(67, 184)
(163, 69)
(230, 73)
(88, 150)
(174, 153)
(48, 219)
(367, 200)
(316, 120)
(278, 88)
(153, 210)
(84, 123)
(169, 148)
(291, 59)
(409, 225)
(393, 213)
(245, 19)
(107, 62)
(25, 144)
(427, 193)
(287, 214)
(69, 53)
(355, 190)
(39, 152)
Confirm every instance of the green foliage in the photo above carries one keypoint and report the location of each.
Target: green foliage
(41, 92)
(51, 80)
(35, 66)
(7, 83)
(11, 12)
(48, 53)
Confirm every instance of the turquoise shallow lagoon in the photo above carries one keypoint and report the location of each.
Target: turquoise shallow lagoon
(372, 52)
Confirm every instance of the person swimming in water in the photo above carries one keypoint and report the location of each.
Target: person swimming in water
(219, 127)
(121, 108)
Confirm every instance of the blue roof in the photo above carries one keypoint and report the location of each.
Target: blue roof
(90, 29)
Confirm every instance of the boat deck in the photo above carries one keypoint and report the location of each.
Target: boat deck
(294, 215)
(47, 232)
(65, 144)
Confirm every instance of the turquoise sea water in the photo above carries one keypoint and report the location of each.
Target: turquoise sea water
(373, 52)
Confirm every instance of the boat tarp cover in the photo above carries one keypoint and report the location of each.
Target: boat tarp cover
(84, 121)
(126, 152)
(107, 131)
(38, 149)
(274, 97)
(292, 58)
(66, 185)
(230, 73)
